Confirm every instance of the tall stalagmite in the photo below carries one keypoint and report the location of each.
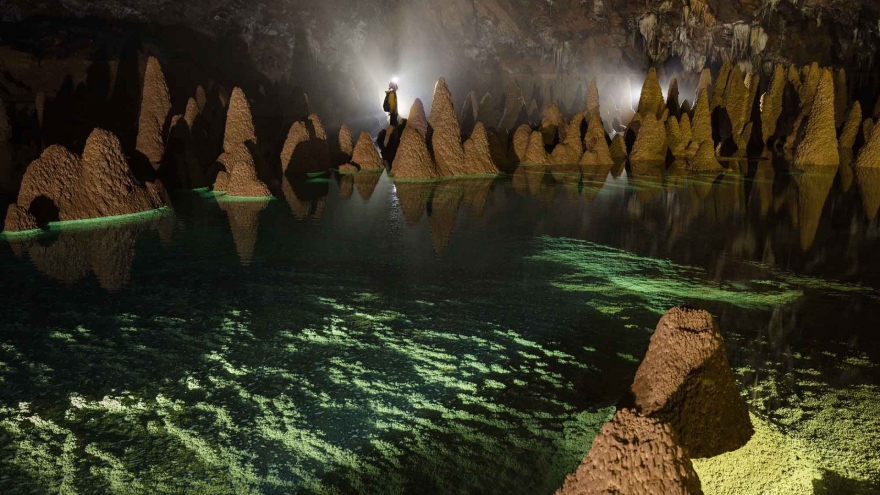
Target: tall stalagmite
(477, 157)
(819, 143)
(535, 153)
(242, 170)
(650, 144)
(446, 138)
(417, 119)
(551, 122)
(412, 160)
(634, 455)
(345, 141)
(365, 155)
(155, 106)
(239, 122)
(869, 155)
(702, 122)
(597, 151)
(651, 101)
(704, 160)
(296, 136)
(705, 83)
(592, 107)
(521, 142)
(685, 381)
(850, 130)
(771, 103)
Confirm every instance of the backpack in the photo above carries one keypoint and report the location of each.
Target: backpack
(387, 105)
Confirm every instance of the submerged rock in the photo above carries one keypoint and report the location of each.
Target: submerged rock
(445, 141)
(477, 156)
(412, 160)
(634, 455)
(366, 156)
(155, 107)
(819, 143)
(61, 186)
(686, 382)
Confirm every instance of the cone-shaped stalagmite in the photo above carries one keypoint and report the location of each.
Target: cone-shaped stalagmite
(634, 455)
(597, 151)
(618, 148)
(570, 150)
(535, 152)
(345, 141)
(239, 122)
(521, 142)
(477, 157)
(412, 160)
(869, 155)
(297, 135)
(242, 171)
(417, 119)
(685, 381)
(446, 137)
(592, 107)
(651, 101)
(702, 121)
(705, 83)
(365, 155)
(551, 122)
(155, 106)
(650, 144)
(868, 129)
(819, 143)
(674, 138)
(850, 130)
(704, 160)
(771, 104)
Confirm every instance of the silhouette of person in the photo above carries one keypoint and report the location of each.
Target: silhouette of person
(390, 104)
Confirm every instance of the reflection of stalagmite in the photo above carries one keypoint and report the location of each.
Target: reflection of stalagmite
(685, 381)
(813, 187)
(345, 142)
(650, 144)
(365, 154)
(527, 180)
(417, 119)
(366, 183)
(651, 101)
(477, 157)
(634, 455)
(594, 177)
(851, 128)
(244, 221)
(535, 152)
(567, 175)
(646, 177)
(446, 138)
(868, 180)
(704, 160)
(762, 189)
(847, 174)
(413, 198)
(702, 121)
(155, 106)
(551, 122)
(869, 155)
(819, 144)
(475, 193)
(346, 185)
(303, 205)
(100, 184)
(412, 160)
(592, 107)
(597, 151)
(444, 211)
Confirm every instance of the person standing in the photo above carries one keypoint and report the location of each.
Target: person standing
(390, 104)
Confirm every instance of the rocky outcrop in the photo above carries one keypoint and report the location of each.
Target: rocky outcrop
(634, 455)
(650, 144)
(819, 143)
(61, 186)
(366, 156)
(155, 107)
(412, 160)
(445, 143)
(477, 156)
(685, 381)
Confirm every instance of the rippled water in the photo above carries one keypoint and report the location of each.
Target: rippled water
(468, 336)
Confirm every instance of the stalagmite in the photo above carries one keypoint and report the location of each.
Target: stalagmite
(592, 107)
(242, 171)
(239, 122)
(618, 148)
(705, 83)
(469, 112)
(489, 114)
(650, 144)
(850, 130)
(417, 119)
(736, 101)
(651, 101)
(477, 157)
(702, 122)
(685, 381)
(345, 142)
(446, 138)
(634, 455)
(365, 155)
(100, 184)
(551, 122)
(513, 105)
(771, 104)
(684, 125)
(521, 142)
(297, 135)
(720, 86)
(412, 160)
(597, 151)
(704, 159)
(840, 98)
(675, 140)
(672, 98)
(869, 155)
(155, 106)
(535, 152)
(819, 144)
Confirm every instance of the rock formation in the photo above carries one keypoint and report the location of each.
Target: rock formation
(345, 143)
(551, 122)
(365, 156)
(417, 119)
(592, 107)
(618, 148)
(513, 106)
(869, 155)
(297, 135)
(488, 114)
(412, 160)
(650, 144)
(242, 175)
(704, 160)
(244, 222)
(819, 143)
(674, 138)
(477, 157)
(651, 101)
(100, 184)
(771, 104)
(446, 137)
(686, 382)
(521, 142)
(155, 106)
(597, 151)
(704, 84)
(850, 131)
(571, 149)
(634, 455)
(239, 122)
(535, 152)
(702, 121)
(868, 128)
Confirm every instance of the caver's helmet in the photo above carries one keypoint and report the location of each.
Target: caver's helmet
(392, 86)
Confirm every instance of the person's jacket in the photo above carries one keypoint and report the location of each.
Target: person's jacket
(390, 101)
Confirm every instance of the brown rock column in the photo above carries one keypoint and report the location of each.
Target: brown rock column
(477, 157)
(446, 138)
(155, 106)
(412, 160)
(365, 154)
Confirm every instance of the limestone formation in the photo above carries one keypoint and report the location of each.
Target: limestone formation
(242, 175)
(811, 78)
(239, 122)
(477, 157)
(771, 104)
(345, 142)
(618, 148)
(685, 381)
(651, 101)
(702, 121)
(365, 154)
(720, 87)
(318, 127)
(736, 101)
(521, 142)
(650, 144)
(535, 152)
(869, 155)
(417, 119)
(592, 107)
(868, 128)
(634, 455)
(100, 184)
(412, 160)
(704, 159)
(446, 138)
(705, 83)
(155, 106)
(597, 151)
(297, 139)
(675, 139)
(684, 127)
(819, 143)
(551, 122)
(850, 130)
(469, 112)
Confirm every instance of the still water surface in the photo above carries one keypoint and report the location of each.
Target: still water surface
(468, 336)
